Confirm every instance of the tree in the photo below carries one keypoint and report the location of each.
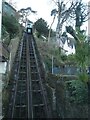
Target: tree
(75, 10)
(82, 43)
(64, 12)
(53, 12)
(41, 26)
(81, 50)
(78, 91)
(24, 13)
(81, 14)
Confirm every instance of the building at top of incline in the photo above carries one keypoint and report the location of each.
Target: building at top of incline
(8, 9)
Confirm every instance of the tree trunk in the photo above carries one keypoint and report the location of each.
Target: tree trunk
(59, 34)
(59, 27)
(50, 29)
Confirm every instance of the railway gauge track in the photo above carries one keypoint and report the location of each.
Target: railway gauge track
(28, 96)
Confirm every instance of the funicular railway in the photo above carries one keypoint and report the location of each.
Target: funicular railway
(28, 97)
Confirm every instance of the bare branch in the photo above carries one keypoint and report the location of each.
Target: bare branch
(70, 10)
(55, 2)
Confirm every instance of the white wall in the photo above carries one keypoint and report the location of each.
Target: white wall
(69, 49)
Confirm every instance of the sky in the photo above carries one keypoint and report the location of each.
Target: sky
(43, 8)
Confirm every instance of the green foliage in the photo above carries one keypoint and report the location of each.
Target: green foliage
(78, 91)
(41, 26)
(88, 53)
(83, 77)
(63, 57)
(38, 35)
(11, 25)
(82, 54)
(48, 63)
(82, 47)
(71, 57)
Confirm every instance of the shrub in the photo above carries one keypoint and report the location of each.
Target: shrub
(78, 91)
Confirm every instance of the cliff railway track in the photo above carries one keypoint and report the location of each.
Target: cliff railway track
(28, 97)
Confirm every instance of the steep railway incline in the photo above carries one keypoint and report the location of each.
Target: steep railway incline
(28, 95)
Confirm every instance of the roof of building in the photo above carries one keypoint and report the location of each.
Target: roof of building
(10, 6)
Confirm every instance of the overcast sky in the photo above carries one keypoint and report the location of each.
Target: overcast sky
(43, 8)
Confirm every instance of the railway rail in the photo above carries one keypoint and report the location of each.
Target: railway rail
(28, 96)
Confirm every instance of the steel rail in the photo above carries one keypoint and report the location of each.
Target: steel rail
(18, 59)
(40, 80)
(29, 96)
(30, 109)
(16, 86)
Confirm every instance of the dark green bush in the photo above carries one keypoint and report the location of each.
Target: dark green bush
(78, 91)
